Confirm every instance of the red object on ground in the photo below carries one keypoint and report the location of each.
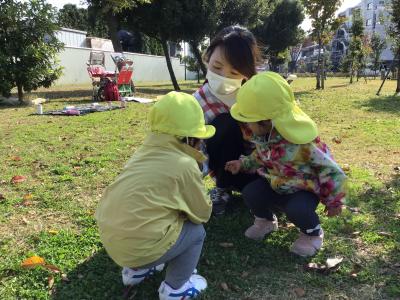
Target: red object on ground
(111, 92)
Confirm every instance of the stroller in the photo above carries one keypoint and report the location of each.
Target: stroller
(99, 75)
(124, 73)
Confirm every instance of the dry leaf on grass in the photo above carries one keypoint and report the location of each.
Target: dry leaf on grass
(15, 158)
(354, 210)
(226, 245)
(245, 274)
(331, 265)
(50, 282)
(2, 197)
(337, 140)
(51, 231)
(52, 268)
(299, 292)
(356, 269)
(18, 179)
(32, 262)
(384, 233)
(346, 167)
(225, 286)
(64, 277)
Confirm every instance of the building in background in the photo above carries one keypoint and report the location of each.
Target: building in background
(376, 20)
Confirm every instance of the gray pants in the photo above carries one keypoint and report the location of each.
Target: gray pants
(182, 258)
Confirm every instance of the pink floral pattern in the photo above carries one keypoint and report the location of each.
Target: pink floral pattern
(291, 168)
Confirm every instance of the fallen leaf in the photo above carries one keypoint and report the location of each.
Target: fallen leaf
(333, 262)
(356, 269)
(384, 233)
(64, 277)
(245, 274)
(355, 210)
(320, 268)
(80, 276)
(52, 231)
(2, 197)
(28, 197)
(226, 245)
(225, 286)
(26, 222)
(337, 140)
(26, 203)
(299, 292)
(15, 158)
(356, 233)
(346, 167)
(32, 262)
(18, 179)
(52, 268)
(50, 282)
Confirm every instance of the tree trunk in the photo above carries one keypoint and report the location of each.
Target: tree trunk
(198, 76)
(112, 23)
(195, 49)
(323, 72)
(169, 65)
(398, 74)
(20, 94)
(318, 86)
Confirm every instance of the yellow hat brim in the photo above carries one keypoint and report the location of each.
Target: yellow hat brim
(205, 134)
(238, 116)
(296, 126)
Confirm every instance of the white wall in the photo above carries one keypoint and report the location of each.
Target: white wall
(145, 67)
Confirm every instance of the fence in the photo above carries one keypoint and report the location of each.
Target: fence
(146, 67)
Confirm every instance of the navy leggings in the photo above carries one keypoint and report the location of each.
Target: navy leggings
(299, 207)
(227, 144)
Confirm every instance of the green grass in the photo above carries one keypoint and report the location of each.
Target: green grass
(68, 161)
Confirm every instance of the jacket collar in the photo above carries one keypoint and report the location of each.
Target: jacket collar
(169, 141)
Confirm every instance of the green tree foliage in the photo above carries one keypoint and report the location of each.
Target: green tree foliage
(160, 20)
(197, 21)
(88, 20)
(280, 30)
(243, 12)
(324, 24)
(356, 52)
(377, 45)
(28, 46)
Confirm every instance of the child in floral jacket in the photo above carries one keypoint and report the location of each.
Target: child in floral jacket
(297, 170)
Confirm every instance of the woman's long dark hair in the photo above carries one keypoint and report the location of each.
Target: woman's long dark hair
(240, 48)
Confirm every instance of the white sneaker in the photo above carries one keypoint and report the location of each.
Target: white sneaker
(190, 290)
(136, 276)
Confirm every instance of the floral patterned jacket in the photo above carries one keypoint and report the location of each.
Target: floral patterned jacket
(291, 167)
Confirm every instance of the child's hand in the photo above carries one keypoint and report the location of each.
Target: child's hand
(233, 166)
(333, 211)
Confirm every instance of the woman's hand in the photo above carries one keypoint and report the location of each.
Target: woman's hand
(233, 166)
(333, 211)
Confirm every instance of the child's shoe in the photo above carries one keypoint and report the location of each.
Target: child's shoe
(219, 198)
(136, 276)
(191, 289)
(308, 245)
(261, 228)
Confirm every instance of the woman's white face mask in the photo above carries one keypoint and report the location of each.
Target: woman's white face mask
(220, 85)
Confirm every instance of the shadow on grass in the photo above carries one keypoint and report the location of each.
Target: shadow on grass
(389, 104)
(153, 91)
(64, 94)
(98, 277)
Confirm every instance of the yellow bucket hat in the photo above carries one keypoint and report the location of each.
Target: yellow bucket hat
(267, 96)
(179, 114)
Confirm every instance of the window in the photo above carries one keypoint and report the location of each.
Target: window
(369, 22)
(370, 6)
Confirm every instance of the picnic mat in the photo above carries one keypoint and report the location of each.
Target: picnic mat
(138, 99)
(80, 110)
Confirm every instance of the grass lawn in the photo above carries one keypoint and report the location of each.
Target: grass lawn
(68, 161)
